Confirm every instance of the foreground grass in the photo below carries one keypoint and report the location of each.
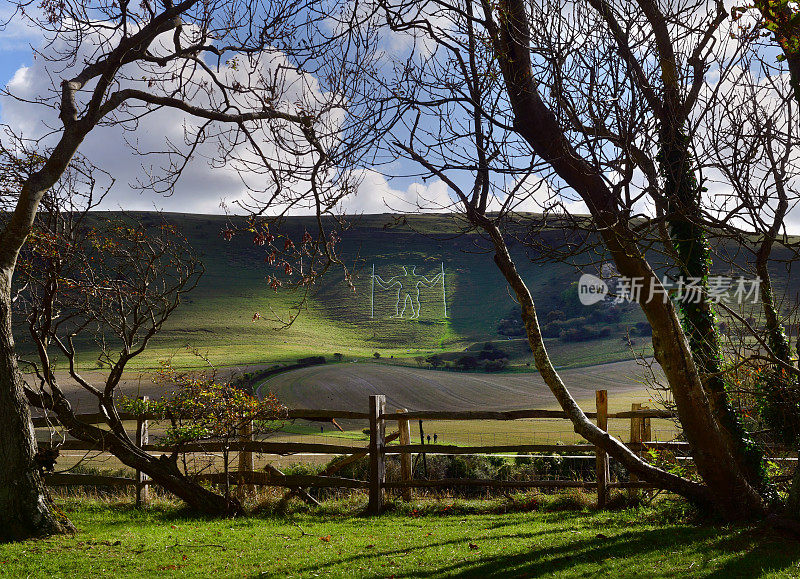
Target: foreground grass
(433, 540)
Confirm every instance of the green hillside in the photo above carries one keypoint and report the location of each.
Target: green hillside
(217, 317)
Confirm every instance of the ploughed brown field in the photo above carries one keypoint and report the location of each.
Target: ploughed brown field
(347, 386)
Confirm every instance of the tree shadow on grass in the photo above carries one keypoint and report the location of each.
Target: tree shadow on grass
(764, 550)
(644, 550)
(378, 553)
(688, 553)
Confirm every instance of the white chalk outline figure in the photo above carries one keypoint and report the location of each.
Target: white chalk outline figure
(410, 295)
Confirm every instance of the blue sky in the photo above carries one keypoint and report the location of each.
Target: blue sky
(11, 60)
(202, 188)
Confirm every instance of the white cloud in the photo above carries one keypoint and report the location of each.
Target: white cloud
(376, 195)
(114, 150)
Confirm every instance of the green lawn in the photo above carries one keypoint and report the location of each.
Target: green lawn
(437, 541)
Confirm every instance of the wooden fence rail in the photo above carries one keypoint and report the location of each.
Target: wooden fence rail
(325, 415)
(378, 448)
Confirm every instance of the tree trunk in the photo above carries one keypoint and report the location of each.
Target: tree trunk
(782, 403)
(162, 470)
(25, 509)
(697, 312)
(716, 461)
(582, 425)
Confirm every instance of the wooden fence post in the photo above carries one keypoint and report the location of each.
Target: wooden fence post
(246, 463)
(377, 457)
(602, 468)
(647, 436)
(636, 440)
(142, 438)
(422, 443)
(404, 427)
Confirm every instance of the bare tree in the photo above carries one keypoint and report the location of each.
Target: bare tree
(270, 84)
(83, 279)
(753, 147)
(597, 103)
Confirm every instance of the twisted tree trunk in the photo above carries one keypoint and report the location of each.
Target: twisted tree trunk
(695, 492)
(697, 313)
(24, 505)
(163, 470)
(712, 449)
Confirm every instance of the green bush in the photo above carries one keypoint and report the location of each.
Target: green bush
(490, 352)
(495, 365)
(311, 360)
(467, 363)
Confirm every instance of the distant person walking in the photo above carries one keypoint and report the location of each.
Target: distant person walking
(435, 436)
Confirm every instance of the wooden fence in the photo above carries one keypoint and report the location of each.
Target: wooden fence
(246, 476)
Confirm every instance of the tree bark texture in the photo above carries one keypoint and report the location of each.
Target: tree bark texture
(729, 487)
(25, 509)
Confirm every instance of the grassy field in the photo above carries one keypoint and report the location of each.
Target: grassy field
(347, 386)
(442, 539)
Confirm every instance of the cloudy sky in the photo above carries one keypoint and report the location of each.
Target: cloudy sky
(201, 188)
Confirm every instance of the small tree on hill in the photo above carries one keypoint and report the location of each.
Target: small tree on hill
(467, 363)
(435, 360)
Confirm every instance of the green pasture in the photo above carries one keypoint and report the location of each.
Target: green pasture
(526, 536)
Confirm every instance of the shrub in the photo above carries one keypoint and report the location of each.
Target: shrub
(435, 360)
(338, 356)
(511, 330)
(511, 327)
(580, 334)
(523, 459)
(376, 355)
(610, 315)
(489, 352)
(579, 322)
(311, 360)
(467, 363)
(463, 467)
(495, 365)
(552, 330)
